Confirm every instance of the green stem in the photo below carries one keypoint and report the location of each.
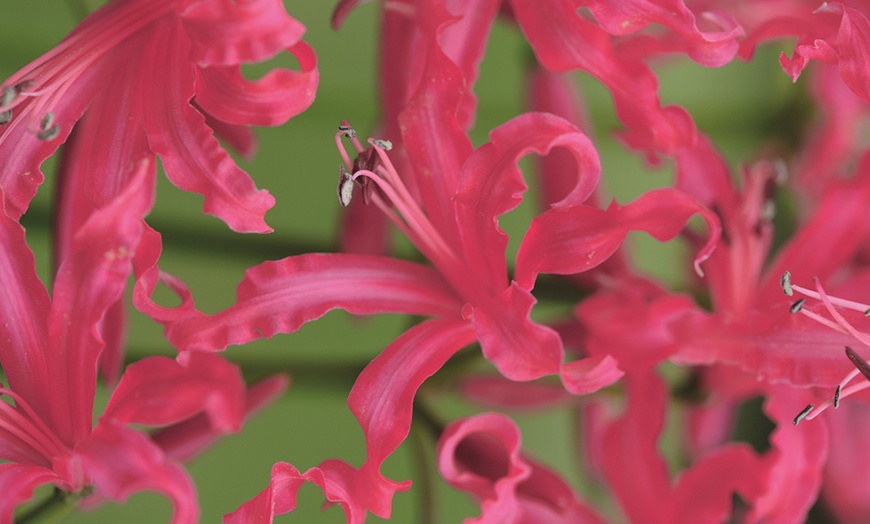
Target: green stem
(53, 509)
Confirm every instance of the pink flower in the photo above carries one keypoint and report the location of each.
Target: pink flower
(154, 78)
(49, 355)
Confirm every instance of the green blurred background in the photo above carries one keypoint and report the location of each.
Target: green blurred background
(739, 105)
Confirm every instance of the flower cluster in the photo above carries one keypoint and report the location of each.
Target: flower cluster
(764, 327)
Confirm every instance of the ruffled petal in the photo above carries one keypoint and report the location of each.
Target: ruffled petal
(225, 94)
(709, 48)
(158, 391)
(192, 157)
(590, 374)
(278, 297)
(852, 55)
(382, 399)
(520, 348)
(575, 239)
(564, 41)
(91, 279)
(491, 184)
(24, 308)
(17, 483)
(225, 32)
(121, 462)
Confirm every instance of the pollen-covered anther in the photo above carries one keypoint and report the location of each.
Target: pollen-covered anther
(347, 131)
(5, 117)
(48, 130)
(9, 94)
(785, 282)
(803, 414)
(345, 186)
(798, 305)
(386, 145)
(837, 396)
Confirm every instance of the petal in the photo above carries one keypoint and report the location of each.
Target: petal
(17, 483)
(844, 490)
(498, 392)
(24, 307)
(491, 184)
(192, 157)
(278, 297)
(158, 391)
(564, 41)
(121, 462)
(520, 348)
(575, 239)
(226, 32)
(225, 94)
(187, 439)
(712, 49)
(853, 42)
(90, 280)
(588, 375)
(382, 399)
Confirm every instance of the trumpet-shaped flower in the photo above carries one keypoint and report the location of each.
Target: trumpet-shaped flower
(154, 78)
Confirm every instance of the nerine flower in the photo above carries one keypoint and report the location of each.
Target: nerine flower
(451, 217)
(49, 348)
(155, 78)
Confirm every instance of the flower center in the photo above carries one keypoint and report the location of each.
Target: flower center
(28, 430)
(839, 323)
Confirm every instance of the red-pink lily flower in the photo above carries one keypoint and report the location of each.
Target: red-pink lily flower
(467, 290)
(49, 353)
(155, 77)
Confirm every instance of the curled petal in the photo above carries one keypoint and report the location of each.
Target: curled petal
(853, 42)
(225, 94)
(576, 239)
(278, 297)
(227, 32)
(491, 184)
(590, 374)
(121, 462)
(481, 455)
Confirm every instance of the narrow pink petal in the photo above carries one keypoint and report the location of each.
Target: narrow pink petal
(491, 184)
(704, 493)
(17, 483)
(148, 275)
(187, 439)
(158, 391)
(336, 478)
(239, 137)
(24, 307)
(844, 489)
(225, 32)
(520, 348)
(498, 392)
(796, 459)
(853, 46)
(635, 472)
(564, 41)
(712, 49)
(192, 157)
(224, 93)
(278, 297)
(121, 462)
(590, 374)
(382, 398)
(88, 283)
(576, 239)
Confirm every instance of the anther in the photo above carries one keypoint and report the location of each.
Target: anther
(837, 397)
(347, 131)
(797, 306)
(5, 117)
(785, 282)
(386, 145)
(859, 362)
(803, 414)
(48, 129)
(345, 187)
(867, 312)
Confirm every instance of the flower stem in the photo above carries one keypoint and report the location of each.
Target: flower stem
(53, 509)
